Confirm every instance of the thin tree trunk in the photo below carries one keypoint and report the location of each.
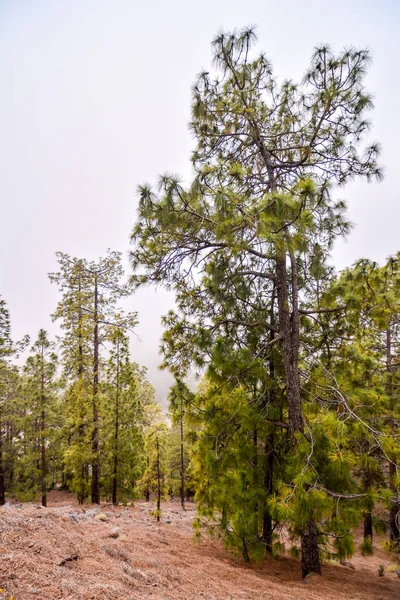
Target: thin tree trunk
(182, 459)
(2, 479)
(116, 433)
(42, 438)
(256, 477)
(147, 490)
(267, 528)
(95, 434)
(268, 479)
(368, 531)
(309, 537)
(310, 562)
(81, 427)
(158, 480)
(245, 551)
(394, 509)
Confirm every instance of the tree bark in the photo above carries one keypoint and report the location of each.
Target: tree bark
(268, 480)
(182, 490)
(267, 528)
(256, 477)
(95, 434)
(2, 478)
(158, 480)
(289, 334)
(147, 490)
(116, 434)
(81, 427)
(394, 510)
(310, 562)
(42, 438)
(368, 531)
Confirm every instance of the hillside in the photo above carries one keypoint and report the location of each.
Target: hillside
(129, 556)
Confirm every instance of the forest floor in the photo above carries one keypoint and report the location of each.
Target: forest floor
(122, 553)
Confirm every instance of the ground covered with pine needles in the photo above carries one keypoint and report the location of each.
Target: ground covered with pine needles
(90, 553)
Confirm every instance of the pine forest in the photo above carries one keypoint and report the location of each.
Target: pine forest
(281, 431)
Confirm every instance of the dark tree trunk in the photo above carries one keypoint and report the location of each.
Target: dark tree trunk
(268, 479)
(289, 334)
(245, 551)
(81, 427)
(2, 478)
(42, 439)
(95, 434)
(158, 480)
(267, 527)
(147, 490)
(394, 511)
(182, 490)
(310, 562)
(368, 531)
(81, 490)
(116, 434)
(256, 476)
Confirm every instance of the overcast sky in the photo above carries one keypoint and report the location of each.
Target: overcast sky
(95, 99)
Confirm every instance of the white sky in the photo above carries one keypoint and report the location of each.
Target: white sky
(95, 99)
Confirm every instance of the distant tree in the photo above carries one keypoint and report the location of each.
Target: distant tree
(8, 390)
(40, 370)
(179, 398)
(91, 291)
(154, 479)
(126, 393)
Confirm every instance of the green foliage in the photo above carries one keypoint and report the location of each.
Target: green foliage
(293, 417)
(366, 548)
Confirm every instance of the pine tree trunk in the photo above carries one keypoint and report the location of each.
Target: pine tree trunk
(158, 480)
(2, 478)
(394, 511)
(95, 434)
(368, 531)
(310, 562)
(182, 490)
(289, 334)
(255, 479)
(42, 439)
(115, 479)
(268, 479)
(245, 551)
(147, 490)
(116, 434)
(43, 461)
(267, 530)
(81, 429)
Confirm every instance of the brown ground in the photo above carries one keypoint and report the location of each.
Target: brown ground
(159, 561)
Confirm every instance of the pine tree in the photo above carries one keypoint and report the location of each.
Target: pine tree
(155, 476)
(8, 390)
(91, 291)
(179, 398)
(126, 393)
(40, 369)
(265, 160)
